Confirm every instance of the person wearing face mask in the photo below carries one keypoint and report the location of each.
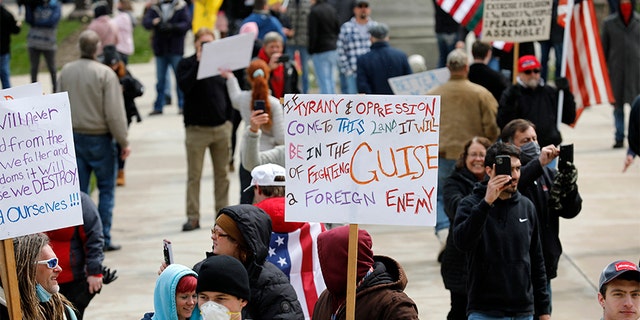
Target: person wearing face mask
(174, 297)
(532, 99)
(621, 47)
(553, 193)
(37, 271)
(223, 288)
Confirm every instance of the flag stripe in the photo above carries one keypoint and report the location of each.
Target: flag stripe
(308, 284)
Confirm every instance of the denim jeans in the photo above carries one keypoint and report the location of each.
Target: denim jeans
(480, 316)
(445, 168)
(162, 64)
(348, 83)
(49, 59)
(545, 48)
(618, 120)
(304, 60)
(325, 64)
(97, 154)
(5, 70)
(446, 44)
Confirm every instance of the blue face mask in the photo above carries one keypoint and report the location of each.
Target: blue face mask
(43, 295)
(529, 151)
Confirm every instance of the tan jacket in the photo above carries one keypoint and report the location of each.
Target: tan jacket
(466, 110)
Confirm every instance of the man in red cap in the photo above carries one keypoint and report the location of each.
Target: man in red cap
(532, 99)
(619, 293)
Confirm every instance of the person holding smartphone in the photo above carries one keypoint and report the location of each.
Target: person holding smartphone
(498, 229)
(254, 101)
(554, 193)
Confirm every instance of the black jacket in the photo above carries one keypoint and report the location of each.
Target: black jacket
(272, 296)
(454, 268)
(9, 25)
(323, 27)
(535, 183)
(206, 101)
(540, 106)
(492, 80)
(506, 267)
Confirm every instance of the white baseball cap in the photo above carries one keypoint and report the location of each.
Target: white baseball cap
(265, 175)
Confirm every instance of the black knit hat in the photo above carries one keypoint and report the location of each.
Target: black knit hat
(224, 274)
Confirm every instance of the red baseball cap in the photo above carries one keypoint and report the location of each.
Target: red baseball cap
(528, 62)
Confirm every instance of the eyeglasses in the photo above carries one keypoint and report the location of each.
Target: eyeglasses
(218, 234)
(51, 263)
(476, 155)
(363, 5)
(528, 72)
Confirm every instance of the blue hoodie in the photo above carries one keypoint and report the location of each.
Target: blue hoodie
(164, 295)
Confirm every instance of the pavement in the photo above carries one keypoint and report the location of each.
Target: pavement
(151, 207)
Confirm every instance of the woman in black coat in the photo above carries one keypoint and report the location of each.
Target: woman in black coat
(468, 171)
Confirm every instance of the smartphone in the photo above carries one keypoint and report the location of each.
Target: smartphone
(259, 105)
(283, 58)
(503, 165)
(167, 251)
(566, 155)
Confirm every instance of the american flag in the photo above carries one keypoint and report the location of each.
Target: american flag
(584, 65)
(296, 254)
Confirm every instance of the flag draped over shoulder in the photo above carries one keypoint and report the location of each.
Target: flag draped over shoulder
(296, 254)
(584, 64)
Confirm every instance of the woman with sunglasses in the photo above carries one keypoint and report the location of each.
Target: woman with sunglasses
(469, 170)
(243, 232)
(38, 270)
(174, 297)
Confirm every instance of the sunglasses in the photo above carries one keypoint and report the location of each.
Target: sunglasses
(363, 5)
(528, 72)
(51, 263)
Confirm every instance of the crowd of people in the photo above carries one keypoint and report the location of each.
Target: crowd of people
(499, 231)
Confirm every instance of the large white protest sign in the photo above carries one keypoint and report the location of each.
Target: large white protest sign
(418, 83)
(516, 20)
(39, 188)
(229, 53)
(27, 90)
(362, 158)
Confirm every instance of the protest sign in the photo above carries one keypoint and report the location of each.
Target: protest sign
(39, 188)
(418, 83)
(229, 53)
(362, 158)
(27, 90)
(516, 20)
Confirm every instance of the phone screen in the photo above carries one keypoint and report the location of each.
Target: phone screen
(566, 155)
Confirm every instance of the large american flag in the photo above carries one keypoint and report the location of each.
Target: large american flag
(296, 254)
(585, 66)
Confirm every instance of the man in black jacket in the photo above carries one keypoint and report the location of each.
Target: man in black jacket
(553, 193)
(498, 229)
(207, 111)
(323, 28)
(480, 73)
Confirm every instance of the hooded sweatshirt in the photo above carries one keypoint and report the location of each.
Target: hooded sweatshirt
(381, 280)
(164, 295)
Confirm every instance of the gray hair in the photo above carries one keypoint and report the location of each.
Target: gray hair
(88, 44)
(272, 37)
(457, 60)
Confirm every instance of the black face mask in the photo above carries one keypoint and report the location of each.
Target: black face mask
(529, 151)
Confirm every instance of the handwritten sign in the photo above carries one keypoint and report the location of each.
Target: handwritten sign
(418, 83)
(362, 159)
(27, 90)
(516, 20)
(230, 53)
(39, 188)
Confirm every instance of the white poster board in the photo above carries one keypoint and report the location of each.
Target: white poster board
(418, 83)
(229, 53)
(369, 159)
(516, 20)
(39, 186)
(27, 90)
